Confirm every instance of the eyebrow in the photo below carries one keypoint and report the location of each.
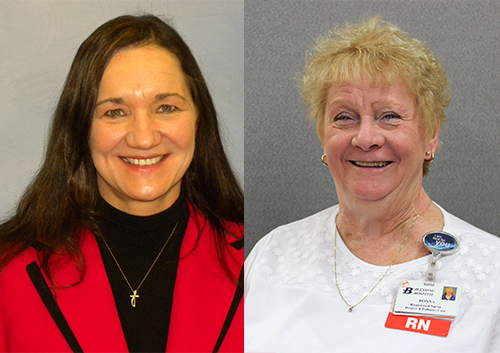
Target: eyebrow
(158, 97)
(161, 96)
(112, 100)
(346, 102)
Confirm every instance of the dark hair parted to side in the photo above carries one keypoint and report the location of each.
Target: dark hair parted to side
(61, 200)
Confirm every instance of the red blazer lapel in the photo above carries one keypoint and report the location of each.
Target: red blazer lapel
(203, 295)
(23, 314)
(89, 307)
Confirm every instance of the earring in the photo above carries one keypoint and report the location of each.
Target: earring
(323, 159)
(431, 154)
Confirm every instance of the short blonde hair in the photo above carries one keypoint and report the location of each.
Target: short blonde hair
(381, 52)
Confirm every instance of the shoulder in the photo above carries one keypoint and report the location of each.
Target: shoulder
(314, 228)
(62, 265)
(479, 248)
(233, 232)
(17, 266)
(467, 233)
(203, 242)
(476, 263)
(15, 284)
(293, 245)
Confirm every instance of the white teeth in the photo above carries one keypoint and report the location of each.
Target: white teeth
(143, 162)
(371, 164)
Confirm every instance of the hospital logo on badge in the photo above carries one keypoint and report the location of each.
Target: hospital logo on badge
(408, 290)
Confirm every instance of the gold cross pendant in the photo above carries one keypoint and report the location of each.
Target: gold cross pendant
(134, 296)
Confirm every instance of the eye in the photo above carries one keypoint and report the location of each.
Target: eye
(390, 116)
(114, 113)
(345, 120)
(166, 108)
(342, 117)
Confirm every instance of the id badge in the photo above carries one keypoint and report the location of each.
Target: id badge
(440, 300)
(423, 308)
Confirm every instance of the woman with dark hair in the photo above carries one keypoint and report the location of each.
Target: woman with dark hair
(130, 236)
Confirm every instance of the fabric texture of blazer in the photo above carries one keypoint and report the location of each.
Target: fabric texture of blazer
(207, 310)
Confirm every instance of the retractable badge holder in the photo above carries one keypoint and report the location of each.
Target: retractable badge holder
(439, 244)
(426, 306)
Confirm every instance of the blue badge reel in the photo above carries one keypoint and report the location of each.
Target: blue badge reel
(439, 243)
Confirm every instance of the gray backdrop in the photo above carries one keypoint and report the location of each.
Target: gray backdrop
(285, 179)
(38, 40)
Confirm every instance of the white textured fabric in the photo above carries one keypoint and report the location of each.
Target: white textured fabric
(292, 303)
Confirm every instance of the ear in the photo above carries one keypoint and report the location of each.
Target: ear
(433, 143)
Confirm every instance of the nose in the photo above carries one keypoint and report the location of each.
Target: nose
(368, 135)
(143, 132)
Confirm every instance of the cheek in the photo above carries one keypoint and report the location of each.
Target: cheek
(184, 135)
(411, 144)
(336, 142)
(103, 140)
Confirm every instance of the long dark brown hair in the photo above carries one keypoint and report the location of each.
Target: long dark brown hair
(61, 200)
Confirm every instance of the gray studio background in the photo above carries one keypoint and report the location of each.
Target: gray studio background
(38, 40)
(284, 177)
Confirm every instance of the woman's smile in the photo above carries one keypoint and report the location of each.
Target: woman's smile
(364, 164)
(143, 161)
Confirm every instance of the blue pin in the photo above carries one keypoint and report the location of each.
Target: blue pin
(440, 243)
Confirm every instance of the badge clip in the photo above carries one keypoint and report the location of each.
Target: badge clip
(439, 243)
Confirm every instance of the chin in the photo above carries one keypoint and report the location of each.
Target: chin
(154, 193)
(369, 192)
(149, 196)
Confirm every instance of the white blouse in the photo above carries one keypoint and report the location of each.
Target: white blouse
(292, 303)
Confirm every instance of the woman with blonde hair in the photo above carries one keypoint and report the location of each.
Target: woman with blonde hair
(368, 274)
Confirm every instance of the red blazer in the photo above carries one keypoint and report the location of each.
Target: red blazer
(202, 299)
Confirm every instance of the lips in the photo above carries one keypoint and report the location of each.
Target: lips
(143, 161)
(377, 164)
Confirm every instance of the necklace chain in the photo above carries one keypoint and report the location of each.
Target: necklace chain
(134, 295)
(351, 307)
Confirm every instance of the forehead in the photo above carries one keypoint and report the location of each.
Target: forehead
(349, 70)
(143, 68)
(369, 92)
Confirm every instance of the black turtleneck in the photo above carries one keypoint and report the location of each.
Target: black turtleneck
(135, 242)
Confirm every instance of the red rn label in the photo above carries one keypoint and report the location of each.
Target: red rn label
(425, 325)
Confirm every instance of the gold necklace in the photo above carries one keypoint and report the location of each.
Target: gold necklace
(351, 307)
(134, 295)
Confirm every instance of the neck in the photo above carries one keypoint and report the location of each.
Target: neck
(375, 231)
(142, 207)
(375, 219)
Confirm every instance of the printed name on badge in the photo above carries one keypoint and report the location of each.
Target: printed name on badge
(415, 298)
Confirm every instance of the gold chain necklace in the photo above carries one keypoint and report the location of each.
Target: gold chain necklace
(351, 307)
(134, 295)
